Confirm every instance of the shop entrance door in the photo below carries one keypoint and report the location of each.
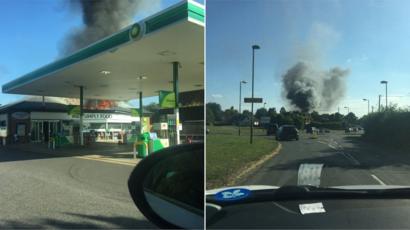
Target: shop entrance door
(46, 131)
(36, 131)
(54, 128)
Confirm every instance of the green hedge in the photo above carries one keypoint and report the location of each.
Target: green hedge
(390, 127)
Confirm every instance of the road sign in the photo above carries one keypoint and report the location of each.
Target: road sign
(254, 100)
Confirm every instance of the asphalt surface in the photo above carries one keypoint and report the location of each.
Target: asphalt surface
(45, 191)
(346, 161)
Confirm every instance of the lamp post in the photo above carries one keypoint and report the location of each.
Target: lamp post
(254, 47)
(385, 82)
(240, 102)
(264, 104)
(348, 110)
(368, 104)
(380, 96)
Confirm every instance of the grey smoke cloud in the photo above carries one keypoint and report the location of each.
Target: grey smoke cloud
(309, 89)
(102, 18)
(306, 85)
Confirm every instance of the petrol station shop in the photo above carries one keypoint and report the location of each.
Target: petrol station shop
(28, 121)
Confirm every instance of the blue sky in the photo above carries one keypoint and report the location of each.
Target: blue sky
(370, 38)
(32, 31)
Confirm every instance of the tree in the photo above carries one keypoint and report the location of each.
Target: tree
(230, 115)
(282, 110)
(210, 117)
(351, 118)
(272, 112)
(261, 112)
(247, 114)
(216, 110)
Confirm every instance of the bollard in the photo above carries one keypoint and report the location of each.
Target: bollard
(134, 152)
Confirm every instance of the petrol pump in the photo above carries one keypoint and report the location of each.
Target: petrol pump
(161, 129)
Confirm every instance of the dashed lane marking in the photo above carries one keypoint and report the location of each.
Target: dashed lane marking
(339, 148)
(378, 179)
(348, 156)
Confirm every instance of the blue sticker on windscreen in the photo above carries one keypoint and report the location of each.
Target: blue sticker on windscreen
(232, 194)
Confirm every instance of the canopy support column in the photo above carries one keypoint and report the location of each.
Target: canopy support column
(175, 66)
(81, 115)
(141, 112)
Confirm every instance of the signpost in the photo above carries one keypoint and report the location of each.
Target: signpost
(253, 100)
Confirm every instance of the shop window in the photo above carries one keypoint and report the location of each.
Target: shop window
(21, 130)
(3, 123)
(67, 128)
(114, 125)
(97, 126)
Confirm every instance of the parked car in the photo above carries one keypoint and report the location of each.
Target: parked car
(287, 132)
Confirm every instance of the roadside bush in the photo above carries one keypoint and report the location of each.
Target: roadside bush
(391, 127)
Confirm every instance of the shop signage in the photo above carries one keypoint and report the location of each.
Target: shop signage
(135, 112)
(166, 99)
(97, 116)
(20, 115)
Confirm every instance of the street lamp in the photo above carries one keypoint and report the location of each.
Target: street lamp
(368, 104)
(264, 104)
(385, 82)
(348, 111)
(254, 47)
(240, 102)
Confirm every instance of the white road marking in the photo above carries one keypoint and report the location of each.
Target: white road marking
(378, 179)
(321, 142)
(331, 146)
(309, 174)
(339, 148)
(348, 156)
(105, 160)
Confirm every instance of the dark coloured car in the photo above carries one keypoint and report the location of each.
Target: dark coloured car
(287, 132)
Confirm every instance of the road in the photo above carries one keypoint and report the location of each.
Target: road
(345, 159)
(45, 191)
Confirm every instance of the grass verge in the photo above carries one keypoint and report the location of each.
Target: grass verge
(227, 154)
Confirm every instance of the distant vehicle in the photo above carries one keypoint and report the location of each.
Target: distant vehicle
(324, 130)
(311, 130)
(287, 132)
(271, 129)
(349, 130)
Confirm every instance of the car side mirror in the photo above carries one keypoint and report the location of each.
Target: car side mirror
(168, 187)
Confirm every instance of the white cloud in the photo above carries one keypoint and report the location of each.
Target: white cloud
(357, 60)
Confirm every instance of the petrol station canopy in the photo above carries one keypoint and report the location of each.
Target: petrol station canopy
(136, 59)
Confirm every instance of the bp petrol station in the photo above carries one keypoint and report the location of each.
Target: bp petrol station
(162, 55)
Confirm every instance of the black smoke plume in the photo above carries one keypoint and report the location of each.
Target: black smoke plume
(101, 18)
(309, 89)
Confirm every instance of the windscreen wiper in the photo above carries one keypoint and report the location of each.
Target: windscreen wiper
(307, 192)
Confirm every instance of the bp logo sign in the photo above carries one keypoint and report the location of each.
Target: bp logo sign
(135, 31)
